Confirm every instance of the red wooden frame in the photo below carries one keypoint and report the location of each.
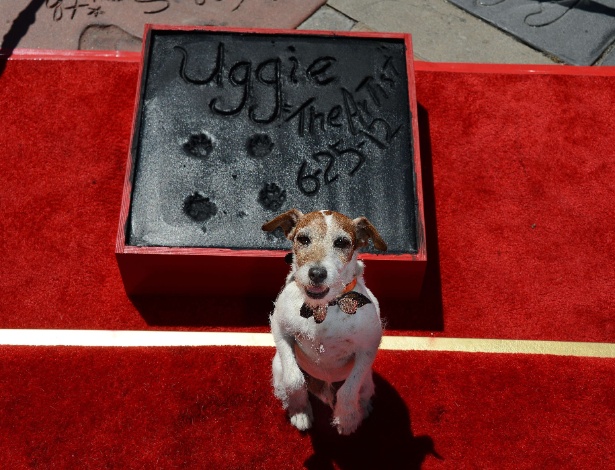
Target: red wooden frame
(213, 271)
(420, 66)
(515, 69)
(51, 54)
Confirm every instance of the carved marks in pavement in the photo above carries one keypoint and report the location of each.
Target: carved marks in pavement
(575, 31)
(66, 10)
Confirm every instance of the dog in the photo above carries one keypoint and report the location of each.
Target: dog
(326, 323)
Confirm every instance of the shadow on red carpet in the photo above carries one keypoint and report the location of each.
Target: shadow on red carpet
(210, 312)
(426, 312)
(384, 439)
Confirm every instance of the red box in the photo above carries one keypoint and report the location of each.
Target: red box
(190, 270)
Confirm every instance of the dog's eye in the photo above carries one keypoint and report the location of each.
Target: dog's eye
(341, 242)
(303, 240)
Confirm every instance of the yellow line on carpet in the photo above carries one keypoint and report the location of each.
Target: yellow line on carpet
(123, 338)
(110, 338)
(507, 346)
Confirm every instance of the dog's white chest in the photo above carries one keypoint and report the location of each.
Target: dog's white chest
(326, 350)
(332, 337)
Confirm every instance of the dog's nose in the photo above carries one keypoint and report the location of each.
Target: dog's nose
(317, 274)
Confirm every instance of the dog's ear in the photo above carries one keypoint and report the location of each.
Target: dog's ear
(364, 230)
(287, 221)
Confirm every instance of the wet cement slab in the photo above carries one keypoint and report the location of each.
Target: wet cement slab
(574, 31)
(119, 24)
(234, 129)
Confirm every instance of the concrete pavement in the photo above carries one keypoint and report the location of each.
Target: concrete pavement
(442, 31)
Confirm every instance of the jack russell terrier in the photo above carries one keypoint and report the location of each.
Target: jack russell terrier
(326, 323)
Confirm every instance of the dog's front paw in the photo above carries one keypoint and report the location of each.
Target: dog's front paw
(294, 379)
(303, 419)
(347, 416)
(348, 412)
(287, 384)
(348, 422)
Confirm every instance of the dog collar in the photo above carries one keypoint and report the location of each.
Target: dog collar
(348, 302)
(350, 286)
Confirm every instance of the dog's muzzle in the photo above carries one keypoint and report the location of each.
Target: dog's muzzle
(317, 275)
(316, 292)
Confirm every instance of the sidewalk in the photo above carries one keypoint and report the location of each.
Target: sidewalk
(476, 31)
(441, 32)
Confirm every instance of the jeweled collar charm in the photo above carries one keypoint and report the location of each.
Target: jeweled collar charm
(348, 302)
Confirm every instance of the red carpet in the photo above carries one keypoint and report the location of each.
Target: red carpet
(519, 182)
(214, 408)
(524, 177)
(519, 175)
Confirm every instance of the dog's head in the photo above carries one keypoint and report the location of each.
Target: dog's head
(325, 245)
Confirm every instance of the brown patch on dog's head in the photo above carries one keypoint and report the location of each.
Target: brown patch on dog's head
(364, 231)
(347, 225)
(308, 238)
(286, 221)
(359, 230)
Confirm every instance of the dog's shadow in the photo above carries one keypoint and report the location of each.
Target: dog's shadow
(204, 312)
(384, 439)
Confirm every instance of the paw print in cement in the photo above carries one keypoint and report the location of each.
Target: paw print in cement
(259, 145)
(199, 208)
(272, 197)
(199, 145)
